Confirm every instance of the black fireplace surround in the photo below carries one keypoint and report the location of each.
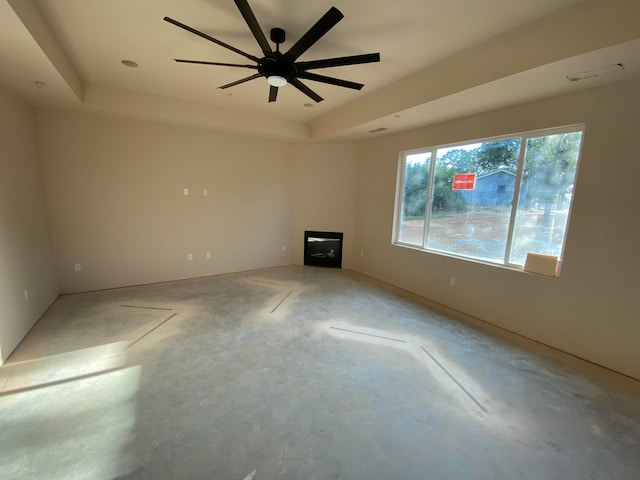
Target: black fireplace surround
(323, 249)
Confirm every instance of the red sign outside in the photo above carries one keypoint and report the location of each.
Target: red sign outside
(464, 181)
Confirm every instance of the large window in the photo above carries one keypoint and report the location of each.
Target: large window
(494, 200)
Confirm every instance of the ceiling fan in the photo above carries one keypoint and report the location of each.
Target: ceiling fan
(280, 68)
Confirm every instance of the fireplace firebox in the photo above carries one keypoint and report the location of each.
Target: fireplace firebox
(323, 249)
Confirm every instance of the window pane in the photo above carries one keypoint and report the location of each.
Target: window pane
(545, 195)
(414, 197)
(474, 223)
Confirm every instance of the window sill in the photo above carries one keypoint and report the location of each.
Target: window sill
(513, 268)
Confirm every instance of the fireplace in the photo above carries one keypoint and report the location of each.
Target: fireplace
(323, 249)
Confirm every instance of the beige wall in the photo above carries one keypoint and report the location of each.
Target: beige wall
(114, 189)
(114, 193)
(325, 195)
(592, 309)
(25, 252)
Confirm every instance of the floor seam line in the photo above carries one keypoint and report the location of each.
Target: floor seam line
(147, 308)
(455, 381)
(150, 331)
(369, 334)
(281, 301)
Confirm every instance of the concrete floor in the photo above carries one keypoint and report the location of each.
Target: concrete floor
(300, 373)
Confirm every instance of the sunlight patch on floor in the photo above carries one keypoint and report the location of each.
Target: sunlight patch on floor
(27, 374)
(76, 428)
(454, 380)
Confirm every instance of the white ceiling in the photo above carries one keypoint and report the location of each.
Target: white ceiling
(440, 59)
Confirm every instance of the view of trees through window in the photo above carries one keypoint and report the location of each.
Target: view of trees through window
(518, 202)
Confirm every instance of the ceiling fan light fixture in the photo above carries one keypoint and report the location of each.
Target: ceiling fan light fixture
(276, 81)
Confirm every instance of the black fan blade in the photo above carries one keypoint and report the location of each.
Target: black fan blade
(202, 62)
(273, 94)
(306, 90)
(210, 38)
(339, 61)
(250, 18)
(238, 82)
(322, 26)
(330, 80)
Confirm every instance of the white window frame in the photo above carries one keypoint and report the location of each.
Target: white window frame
(524, 137)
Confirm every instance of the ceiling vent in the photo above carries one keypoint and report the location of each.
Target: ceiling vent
(596, 72)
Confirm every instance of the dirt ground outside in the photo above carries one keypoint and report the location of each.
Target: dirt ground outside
(482, 233)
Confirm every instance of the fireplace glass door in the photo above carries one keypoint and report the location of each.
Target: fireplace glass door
(323, 249)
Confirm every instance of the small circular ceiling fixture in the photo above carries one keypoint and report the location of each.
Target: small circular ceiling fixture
(40, 84)
(308, 105)
(129, 63)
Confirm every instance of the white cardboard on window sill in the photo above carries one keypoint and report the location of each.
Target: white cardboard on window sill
(541, 264)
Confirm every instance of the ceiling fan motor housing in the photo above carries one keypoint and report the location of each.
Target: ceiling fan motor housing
(278, 65)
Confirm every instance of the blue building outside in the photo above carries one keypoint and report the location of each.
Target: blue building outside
(492, 189)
